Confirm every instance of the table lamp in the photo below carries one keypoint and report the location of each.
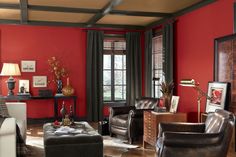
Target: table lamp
(10, 69)
(193, 84)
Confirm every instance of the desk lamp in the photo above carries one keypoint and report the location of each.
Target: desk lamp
(194, 85)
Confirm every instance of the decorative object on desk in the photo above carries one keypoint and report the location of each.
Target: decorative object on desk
(159, 109)
(66, 120)
(58, 72)
(45, 92)
(23, 86)
(195, 85)
(63, 110)
(10, 69)
(166, 89)
(174, 104)
(39, 81)
(220, 96)
(28, 66)
(71, 114)
(68, 90)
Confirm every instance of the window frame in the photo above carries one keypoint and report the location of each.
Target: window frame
(155, 82)
(112, 52)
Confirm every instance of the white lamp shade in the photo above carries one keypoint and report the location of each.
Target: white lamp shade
(10, 69)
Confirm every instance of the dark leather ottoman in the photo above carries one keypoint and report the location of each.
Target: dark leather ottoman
(86, 144)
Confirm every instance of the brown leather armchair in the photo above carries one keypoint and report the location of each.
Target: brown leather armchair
(209, 139)
(127, 121)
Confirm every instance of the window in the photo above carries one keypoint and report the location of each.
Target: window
(157, 65)
(114, 70)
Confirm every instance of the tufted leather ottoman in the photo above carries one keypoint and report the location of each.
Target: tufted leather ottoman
(86, 144)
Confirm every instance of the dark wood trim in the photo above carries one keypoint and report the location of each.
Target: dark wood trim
(24, 11)
(67, 24)
(119, 26)
(2, 21)
(105, 10)
(63, 9)
(181, 12)
(193, 7)
(114, 35)
(49, 120)
(140, 13)
(9, 6)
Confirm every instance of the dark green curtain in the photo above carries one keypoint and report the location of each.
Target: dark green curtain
(134, 69)
(94, 75)
(168, 51)
(148, 63)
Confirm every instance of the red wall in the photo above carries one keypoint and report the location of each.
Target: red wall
(40, 43)
(195, 34)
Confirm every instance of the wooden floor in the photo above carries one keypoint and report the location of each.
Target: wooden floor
(36, 130)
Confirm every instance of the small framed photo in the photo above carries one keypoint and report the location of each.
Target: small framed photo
(23, 86)
(28, 66)
(220, 94)
(39, 81)
(174, 104)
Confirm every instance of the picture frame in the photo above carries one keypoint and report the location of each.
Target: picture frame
(28, 66)
(219, 94)
(174, 104)
(39, 81)
(24, 86)
(224, 63)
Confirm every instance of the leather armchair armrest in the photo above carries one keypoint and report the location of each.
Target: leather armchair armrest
(180, 139)
(120, 110)
(138, 113)
(181, 127)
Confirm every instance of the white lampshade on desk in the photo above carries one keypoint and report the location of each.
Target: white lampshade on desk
(10, 69)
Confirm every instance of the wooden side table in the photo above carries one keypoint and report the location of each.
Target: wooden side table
(152, 120)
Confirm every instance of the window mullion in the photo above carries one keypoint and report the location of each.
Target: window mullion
(112, 77)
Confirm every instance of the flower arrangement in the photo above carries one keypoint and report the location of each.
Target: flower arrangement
(57, 69)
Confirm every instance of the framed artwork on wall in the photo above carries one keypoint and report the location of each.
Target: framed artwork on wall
(24, 86)
(174, 104)
(28, 66)
(219, 93)
(224, 65)
(39, 81)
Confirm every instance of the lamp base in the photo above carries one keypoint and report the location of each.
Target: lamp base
(11, 85)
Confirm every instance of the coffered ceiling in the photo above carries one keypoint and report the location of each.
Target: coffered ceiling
(131, 14)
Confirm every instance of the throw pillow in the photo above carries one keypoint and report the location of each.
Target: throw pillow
(3, 108)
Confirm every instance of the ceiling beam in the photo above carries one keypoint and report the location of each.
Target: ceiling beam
(85, 10)
(105, 10)
(181, 12)
(63, 9)
(24, 11)
(9, 6)
(140, 13)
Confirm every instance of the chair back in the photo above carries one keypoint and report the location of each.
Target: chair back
(218, 121)
(146, 103)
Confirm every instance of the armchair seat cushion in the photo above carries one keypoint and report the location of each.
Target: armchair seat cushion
(120, 120)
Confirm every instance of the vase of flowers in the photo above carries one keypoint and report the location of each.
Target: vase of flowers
(58, 71)
(166, 89)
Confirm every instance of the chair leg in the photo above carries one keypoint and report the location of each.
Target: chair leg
(131, 140)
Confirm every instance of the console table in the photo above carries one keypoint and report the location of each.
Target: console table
(152, 120)
(55, 98)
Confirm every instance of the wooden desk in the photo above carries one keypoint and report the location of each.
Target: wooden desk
(152, 120)
(55, 98)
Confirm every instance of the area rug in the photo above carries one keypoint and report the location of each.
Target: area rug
(113, 147)
(118, 143)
